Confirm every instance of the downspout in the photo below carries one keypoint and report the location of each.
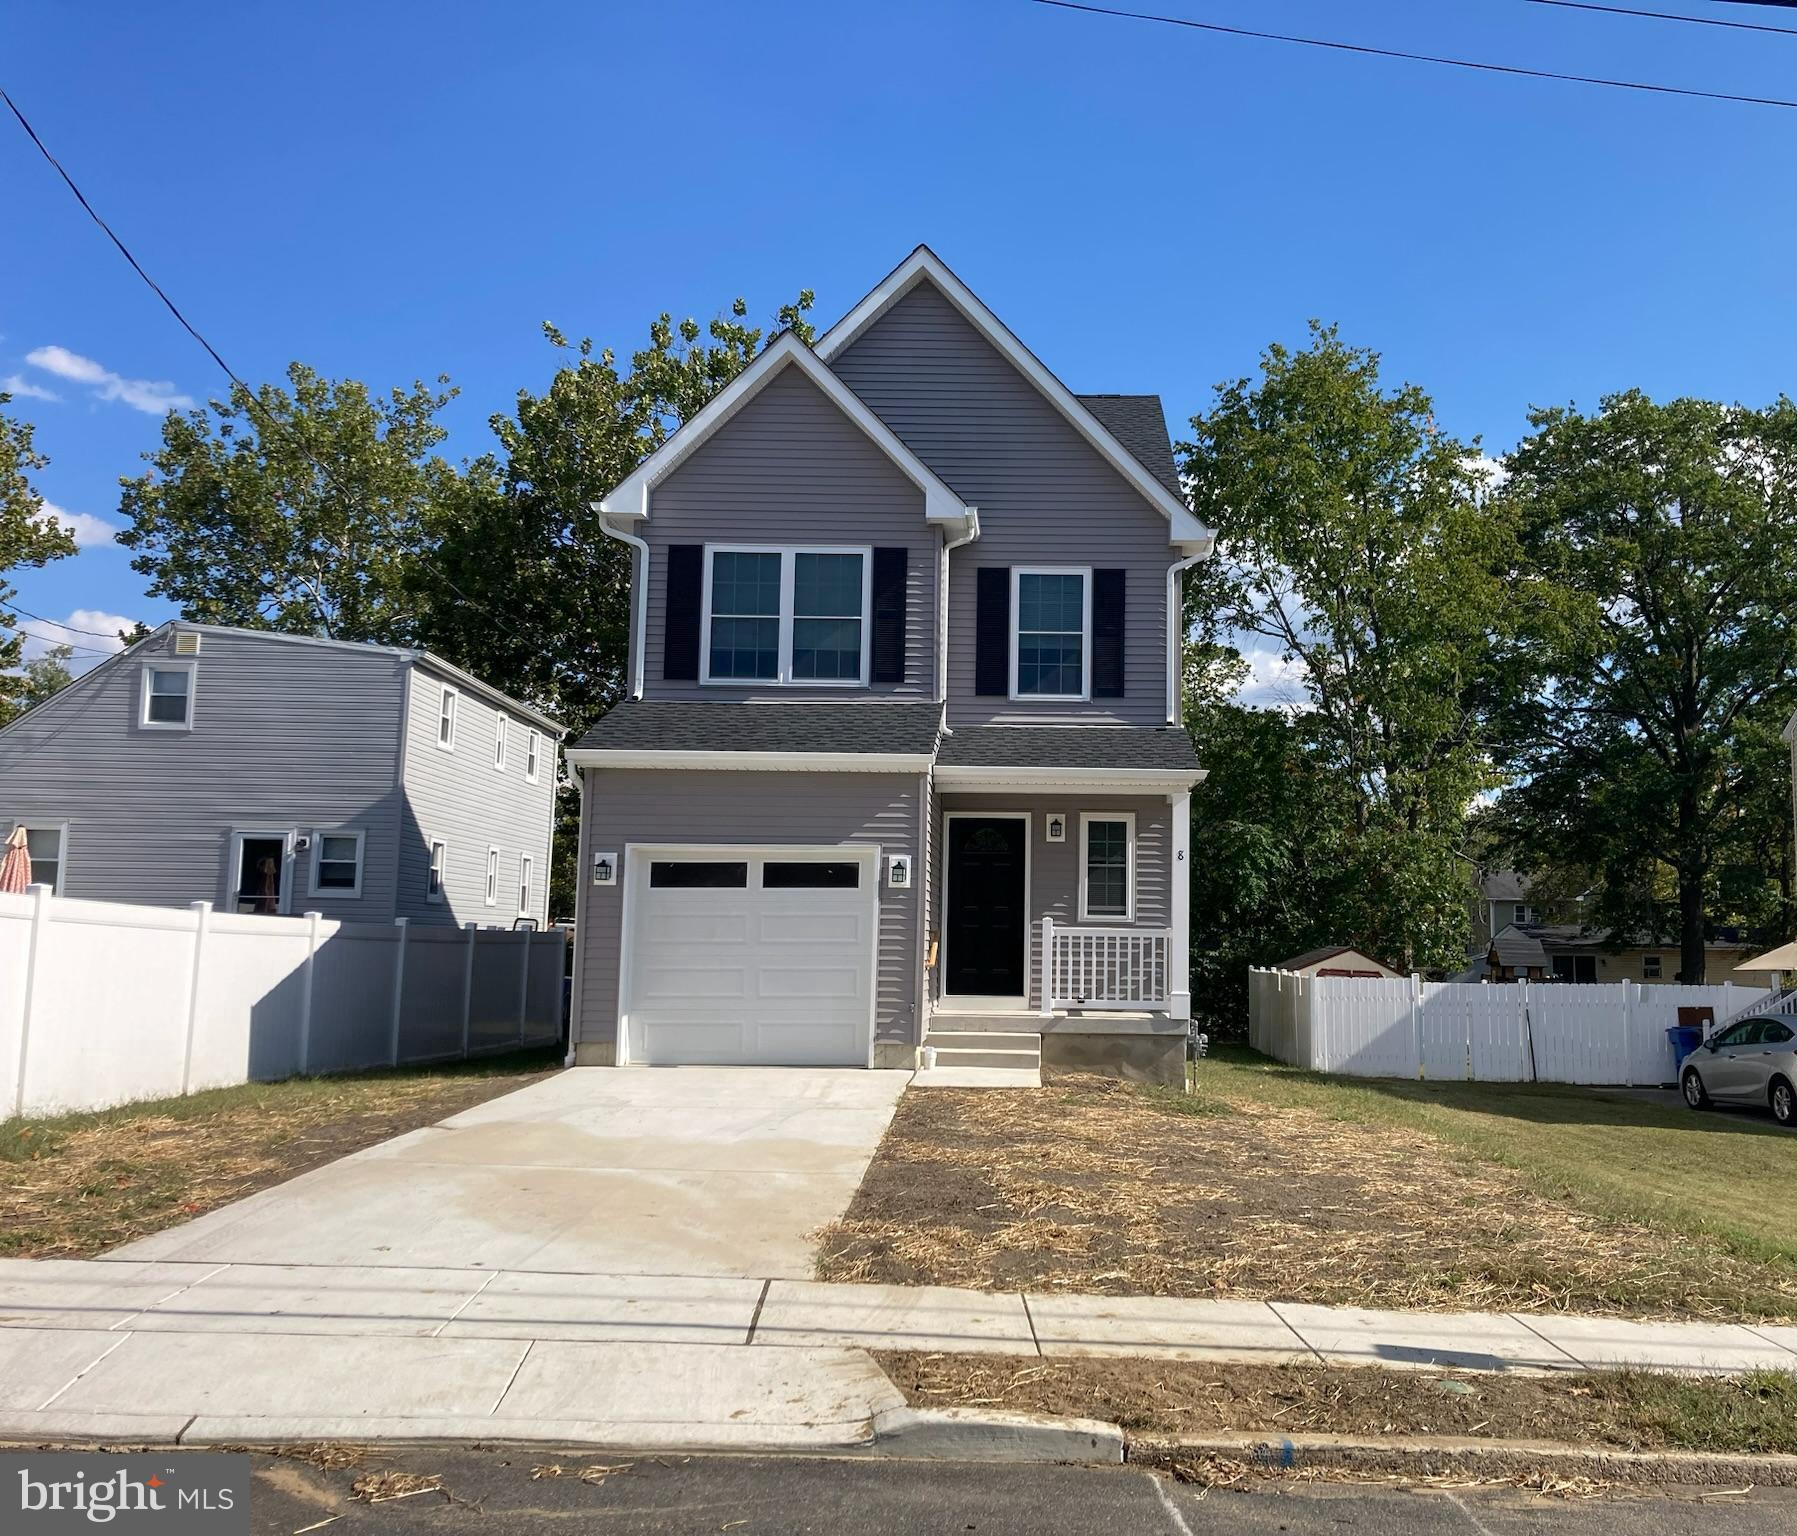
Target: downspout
(1175, 633)
(639, 597)
(972, 533)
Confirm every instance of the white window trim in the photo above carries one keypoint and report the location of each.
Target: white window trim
(449, 702)
(533, 756)
(61, 829)
(783, 677)
(499, 741)
(156, 664)
(527, 869)
(1018, 572)
(492, 888)
(336, 892)
(1128, 818)
(441, 894)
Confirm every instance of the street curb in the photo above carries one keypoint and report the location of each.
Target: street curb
(975, 1434)
(1435, 1456)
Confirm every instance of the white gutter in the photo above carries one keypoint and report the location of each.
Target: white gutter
(775, 762)
(639, 596)
(1176, 633)
(972, 533)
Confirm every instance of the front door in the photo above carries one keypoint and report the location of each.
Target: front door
(986, 918)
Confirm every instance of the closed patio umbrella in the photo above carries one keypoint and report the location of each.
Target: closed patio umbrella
(15, 868)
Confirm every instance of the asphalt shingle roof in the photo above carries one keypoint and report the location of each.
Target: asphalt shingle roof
(1066, 746)
(1140, 424)
(640, 726)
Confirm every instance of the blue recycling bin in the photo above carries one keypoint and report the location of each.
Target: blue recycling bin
(1685, 1039)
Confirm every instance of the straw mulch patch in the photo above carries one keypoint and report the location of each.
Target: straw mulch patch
(1095, 1186)
(76, 1185)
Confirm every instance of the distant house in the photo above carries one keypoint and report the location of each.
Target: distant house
(1571, 952)
(1504, 897)
(1336, 960)
(271, 773)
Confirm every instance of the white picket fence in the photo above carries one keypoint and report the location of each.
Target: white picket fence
(1551, 1032)
(102, 1003)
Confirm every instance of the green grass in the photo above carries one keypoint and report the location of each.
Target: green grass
(1756, 1412)
(1730, 1176)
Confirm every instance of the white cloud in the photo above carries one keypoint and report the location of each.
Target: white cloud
(92, 631)
(1274, 681)
(20, 387)
(1487, 469)
(89, 531)
(155, 396)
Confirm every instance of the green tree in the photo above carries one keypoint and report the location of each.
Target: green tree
(1357, 538)
(1667, 535)
(46, 674)
(30, 537)
(307, 509)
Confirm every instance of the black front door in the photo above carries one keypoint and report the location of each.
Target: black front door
(985, 919)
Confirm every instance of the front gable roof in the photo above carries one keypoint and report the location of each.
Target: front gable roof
(631, 499)
(923, 265)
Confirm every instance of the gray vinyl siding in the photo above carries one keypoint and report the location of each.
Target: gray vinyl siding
(459, 798)
(1045, 495)
(1054, 867)
(790, 468)
(624, 806)
(285, 737)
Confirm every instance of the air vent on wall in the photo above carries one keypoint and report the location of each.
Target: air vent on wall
(187, 643)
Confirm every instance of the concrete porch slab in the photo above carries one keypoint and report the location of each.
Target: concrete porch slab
(1605, 1343)
(274, 1298)
(79, 1293)
(1170, 1327)
(664, 1309)
(1422, 1340)
(808, 1313)
(38, 1365)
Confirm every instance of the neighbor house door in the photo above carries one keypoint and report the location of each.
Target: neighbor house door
(260, 868)
(986, 916)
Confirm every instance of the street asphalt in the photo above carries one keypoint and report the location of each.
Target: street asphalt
(495, 1493)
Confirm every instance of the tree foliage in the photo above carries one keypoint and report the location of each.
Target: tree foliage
(46, 674)
(30, 537)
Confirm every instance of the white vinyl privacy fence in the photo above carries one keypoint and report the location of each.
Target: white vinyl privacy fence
(102, 1003)
(1551, 1032)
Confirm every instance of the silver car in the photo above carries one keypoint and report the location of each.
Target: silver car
(1752, 1062)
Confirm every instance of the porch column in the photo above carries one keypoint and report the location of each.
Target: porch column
(1179, 876)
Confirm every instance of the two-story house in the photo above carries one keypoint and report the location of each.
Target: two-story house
(270, 773)
(901, 760)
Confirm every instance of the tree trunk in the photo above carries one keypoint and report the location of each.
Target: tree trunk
(1690, 892)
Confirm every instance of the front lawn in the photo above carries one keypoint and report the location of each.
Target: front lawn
(1271, 1183)
(75, 1185)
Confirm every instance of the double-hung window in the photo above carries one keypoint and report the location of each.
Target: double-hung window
(498, 741)
(434, 875)
(337, 864)
(167, 696)
(1107, 871)
(525, 872)
(492, 893)
(787, 616)
(47, 847)
(1051, 641)
(532, 745)
(446, 713)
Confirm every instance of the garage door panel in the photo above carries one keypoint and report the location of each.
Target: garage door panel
(808, 1045)
(814, 928)
(676, 926)
(778, 985)
(669, 984)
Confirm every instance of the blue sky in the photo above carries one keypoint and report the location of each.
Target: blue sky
(393, 191)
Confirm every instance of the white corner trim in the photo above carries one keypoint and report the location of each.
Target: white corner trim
(1176, 638)
(924, 263)
(1148, 781)
(631, 498)
(785, 762)
(639, 594)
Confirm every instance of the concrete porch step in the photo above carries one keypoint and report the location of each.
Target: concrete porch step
(985, 1023)
(1026, 1059)
(1024, 1040)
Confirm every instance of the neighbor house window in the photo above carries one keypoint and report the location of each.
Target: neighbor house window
(337, 864)
(433, 880)
(532, 745)
(168, 696)
(1524, 914)
(47, 846)
(492, 894)
(1107, 865)
(1050, 644)
(524, 874)
(792, 616)
(499, 742)
(446, 710)
(1650, 967)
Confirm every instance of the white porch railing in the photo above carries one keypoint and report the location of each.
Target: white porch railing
(1104, 967)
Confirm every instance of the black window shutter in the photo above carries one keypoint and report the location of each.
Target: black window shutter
(890, 569)
(992, 632)
(684, 614)
(1107, 634)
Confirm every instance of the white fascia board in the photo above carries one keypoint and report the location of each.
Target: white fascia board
(1148, 780)
(631, 498)
(782, 762)
(925, 263)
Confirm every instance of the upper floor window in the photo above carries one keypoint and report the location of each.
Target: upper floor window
(167, 696)
(786, 616)
(1524, 914)
(499, 742)
(532, 746)
(1051, 641)
(446, 712)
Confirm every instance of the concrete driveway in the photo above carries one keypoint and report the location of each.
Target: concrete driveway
(633, 1171)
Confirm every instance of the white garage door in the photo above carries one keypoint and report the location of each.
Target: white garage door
(764, 957)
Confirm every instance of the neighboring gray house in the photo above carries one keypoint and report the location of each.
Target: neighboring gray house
(902, 759)
(278, 773)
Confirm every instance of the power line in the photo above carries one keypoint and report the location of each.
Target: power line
(1696, 21)
(98, 634)
(248, 395)
(1368, 50)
